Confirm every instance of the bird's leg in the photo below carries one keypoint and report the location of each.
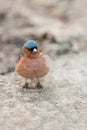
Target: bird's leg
(26, 84)
(39, 84)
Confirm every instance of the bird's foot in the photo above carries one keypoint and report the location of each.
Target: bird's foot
(39, 86)
(32, 86)
(26, 86)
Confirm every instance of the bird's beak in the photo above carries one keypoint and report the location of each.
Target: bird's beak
(34, 50)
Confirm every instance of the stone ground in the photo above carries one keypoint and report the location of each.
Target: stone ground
(60, 105)
(60, 27)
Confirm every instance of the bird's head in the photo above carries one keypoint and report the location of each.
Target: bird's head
(31, 49)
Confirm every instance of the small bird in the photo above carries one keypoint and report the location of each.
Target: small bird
(34, 64)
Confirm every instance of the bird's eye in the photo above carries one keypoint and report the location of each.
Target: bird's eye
(29, 49)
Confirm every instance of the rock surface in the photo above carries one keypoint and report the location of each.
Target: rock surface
(60, 105)
(60, 27)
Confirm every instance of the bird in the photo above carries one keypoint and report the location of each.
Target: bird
(34, 63)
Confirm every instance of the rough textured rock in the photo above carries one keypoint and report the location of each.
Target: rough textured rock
(60, 105)
(60, 27)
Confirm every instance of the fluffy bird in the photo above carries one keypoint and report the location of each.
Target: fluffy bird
(34, 64)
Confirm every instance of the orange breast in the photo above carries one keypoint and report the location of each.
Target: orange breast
(33, 67)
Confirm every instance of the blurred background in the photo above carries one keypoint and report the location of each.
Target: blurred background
(59, 26)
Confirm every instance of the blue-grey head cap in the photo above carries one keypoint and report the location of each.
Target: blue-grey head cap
(30, 44)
